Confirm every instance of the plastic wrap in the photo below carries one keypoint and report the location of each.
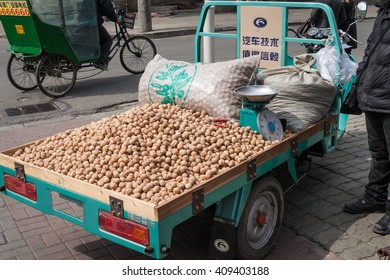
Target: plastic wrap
(333, 66)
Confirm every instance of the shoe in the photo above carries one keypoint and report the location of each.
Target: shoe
(101, 66)
(382, 226)
(361, 205)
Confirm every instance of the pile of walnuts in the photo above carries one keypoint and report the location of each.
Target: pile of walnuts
(153, 152)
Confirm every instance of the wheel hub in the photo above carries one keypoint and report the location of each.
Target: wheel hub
(57, 73)
(261, 219)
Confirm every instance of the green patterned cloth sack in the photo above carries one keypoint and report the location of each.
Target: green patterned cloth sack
(201, 87)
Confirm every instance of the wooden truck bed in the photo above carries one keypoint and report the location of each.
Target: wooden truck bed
(149, 210)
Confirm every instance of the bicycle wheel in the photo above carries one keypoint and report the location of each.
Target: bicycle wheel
(136, 53)
(21, 72)
(56, 75)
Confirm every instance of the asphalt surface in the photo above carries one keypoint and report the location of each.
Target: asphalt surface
(314, 228)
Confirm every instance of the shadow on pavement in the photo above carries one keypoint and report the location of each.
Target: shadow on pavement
(315, 208)
(99, 86)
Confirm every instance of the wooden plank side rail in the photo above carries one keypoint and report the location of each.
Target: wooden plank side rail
(131, 204)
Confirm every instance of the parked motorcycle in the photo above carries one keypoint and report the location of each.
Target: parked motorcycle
(324, 33)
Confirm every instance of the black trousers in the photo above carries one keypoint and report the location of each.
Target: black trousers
(378, 133)
(105, 44)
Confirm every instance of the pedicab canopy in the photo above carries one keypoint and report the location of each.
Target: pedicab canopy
(64, 27)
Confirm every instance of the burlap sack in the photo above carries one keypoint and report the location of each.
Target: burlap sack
(208, 87)
(304, 97)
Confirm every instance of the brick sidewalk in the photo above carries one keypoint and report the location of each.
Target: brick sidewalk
(314, 210)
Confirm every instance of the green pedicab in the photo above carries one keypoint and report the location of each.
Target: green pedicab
(50, 41)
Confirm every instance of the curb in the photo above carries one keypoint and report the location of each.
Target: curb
(159, 34)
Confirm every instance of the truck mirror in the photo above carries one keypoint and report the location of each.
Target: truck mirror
(361, 10)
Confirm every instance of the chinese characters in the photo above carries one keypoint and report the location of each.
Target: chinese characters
(261, 42)
(14, 8)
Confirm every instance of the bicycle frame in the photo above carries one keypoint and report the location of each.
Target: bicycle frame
(121, 34)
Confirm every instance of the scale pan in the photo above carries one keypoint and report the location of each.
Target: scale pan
(256, 93)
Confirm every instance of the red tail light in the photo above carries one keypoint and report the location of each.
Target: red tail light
(22, 188)
(124, 228)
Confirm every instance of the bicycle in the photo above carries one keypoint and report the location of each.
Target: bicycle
(56, 73)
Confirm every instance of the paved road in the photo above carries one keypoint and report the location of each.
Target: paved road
(109, 89)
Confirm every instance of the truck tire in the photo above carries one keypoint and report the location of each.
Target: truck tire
(261, 219)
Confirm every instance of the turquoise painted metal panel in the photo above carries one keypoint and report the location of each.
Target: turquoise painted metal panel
(248, 118)
(231, 207)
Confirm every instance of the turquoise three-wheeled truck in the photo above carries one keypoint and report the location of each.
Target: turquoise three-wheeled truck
(247, 199)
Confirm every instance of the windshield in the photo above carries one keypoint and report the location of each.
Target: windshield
(47, 11)
(77, 18)
(74, 11)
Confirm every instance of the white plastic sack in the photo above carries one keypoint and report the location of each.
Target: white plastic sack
(334, 67)
(201, 87)
(348, 68)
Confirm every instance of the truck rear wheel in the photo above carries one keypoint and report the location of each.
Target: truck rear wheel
(261, 219)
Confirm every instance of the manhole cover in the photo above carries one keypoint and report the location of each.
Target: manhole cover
(11, 112)
(31, 109)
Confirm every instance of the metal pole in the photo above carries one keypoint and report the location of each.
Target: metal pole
(145, 15)
(209, 42)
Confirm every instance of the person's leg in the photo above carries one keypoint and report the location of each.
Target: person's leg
(381, 190)
(378, 133)
(105, 45)
(379, 176)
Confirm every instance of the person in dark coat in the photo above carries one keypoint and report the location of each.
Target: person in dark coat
(349, 7)
(104, 8)
(319, 18)
(374, 100)
(344, 13)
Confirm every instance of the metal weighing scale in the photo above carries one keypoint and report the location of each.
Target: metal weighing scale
(255, 114)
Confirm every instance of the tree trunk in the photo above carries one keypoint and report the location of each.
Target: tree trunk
(144, 15)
